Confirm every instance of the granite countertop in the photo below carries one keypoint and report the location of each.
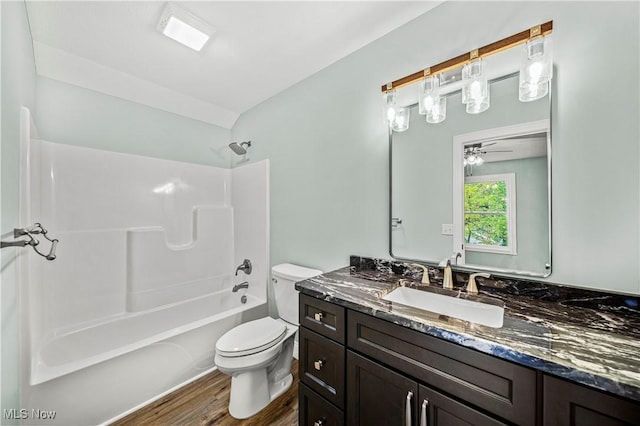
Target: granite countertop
(584, 336)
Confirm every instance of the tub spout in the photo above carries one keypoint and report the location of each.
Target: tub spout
(239, 286)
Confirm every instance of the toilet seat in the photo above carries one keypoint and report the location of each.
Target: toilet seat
(251, 337)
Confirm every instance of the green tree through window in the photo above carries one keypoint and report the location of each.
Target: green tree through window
(486, 212)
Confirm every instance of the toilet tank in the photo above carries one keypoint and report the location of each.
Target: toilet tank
(284, 276)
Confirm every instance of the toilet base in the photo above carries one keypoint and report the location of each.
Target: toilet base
(253, 389)
(262, 392)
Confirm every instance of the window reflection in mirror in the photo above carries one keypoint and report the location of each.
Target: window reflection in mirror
(489, 213)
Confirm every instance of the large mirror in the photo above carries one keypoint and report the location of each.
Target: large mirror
(475, 188)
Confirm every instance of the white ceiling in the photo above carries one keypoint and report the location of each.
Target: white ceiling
(259, 48)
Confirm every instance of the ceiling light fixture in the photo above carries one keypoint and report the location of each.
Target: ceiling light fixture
(535, 75)
(184, 27)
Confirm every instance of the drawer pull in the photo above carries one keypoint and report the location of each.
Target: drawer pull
(407, 411)
(319, 422)
(319, 364)
(318, 316)
(424, 413)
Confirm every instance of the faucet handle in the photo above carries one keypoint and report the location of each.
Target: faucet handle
(425, 272)
(471, 287)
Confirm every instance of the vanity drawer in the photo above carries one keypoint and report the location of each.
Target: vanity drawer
(494, 385)
(313, 410)
(322, 317)
(321, 366)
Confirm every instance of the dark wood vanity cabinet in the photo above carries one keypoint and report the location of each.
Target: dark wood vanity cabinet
(321, 365)
(567, 403)
(377, 395)
(356, 369)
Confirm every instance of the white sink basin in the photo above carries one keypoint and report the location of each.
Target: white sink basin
(468, 310)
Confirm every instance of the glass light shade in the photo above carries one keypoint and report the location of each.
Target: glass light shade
(475, 85)
(438, 112)
(479, 101)
(389, 106)
(536, 69)
(533, 92)
(401, 121)
(428, 94)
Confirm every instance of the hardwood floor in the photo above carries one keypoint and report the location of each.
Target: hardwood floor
(204, 402)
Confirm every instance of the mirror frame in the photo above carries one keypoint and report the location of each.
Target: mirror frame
(472, 268)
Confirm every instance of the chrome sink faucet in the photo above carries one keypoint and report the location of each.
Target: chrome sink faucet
(245, 267)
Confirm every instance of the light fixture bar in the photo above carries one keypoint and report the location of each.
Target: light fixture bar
(490, 49)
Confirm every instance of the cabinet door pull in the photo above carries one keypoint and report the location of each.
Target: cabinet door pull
(318, 364)
(318, 316)
(319, 422)
(424, 413)
(407, 411)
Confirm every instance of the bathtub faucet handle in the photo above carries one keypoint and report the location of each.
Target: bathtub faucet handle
(245, 267)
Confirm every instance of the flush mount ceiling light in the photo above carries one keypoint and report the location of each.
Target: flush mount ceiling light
(535, 75)
(184, 27)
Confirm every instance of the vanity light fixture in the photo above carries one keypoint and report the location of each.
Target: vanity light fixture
(430, 103)
(184, 27)
(535, 75)
(396, 117)
(536, 68)
(389, 106)
(475, 89)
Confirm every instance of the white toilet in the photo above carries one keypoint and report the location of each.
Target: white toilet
(257, 354)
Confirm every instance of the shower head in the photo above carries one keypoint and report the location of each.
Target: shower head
(241, 148)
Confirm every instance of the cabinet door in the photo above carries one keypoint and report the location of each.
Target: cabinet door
(567, 403)
(313, 410)
(377, 395)
(437, 409)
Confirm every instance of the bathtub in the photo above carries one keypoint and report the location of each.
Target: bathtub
(66, 351)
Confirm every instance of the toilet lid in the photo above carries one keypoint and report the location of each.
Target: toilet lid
(251, 337)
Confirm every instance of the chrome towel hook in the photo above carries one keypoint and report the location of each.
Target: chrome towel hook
(29, 232)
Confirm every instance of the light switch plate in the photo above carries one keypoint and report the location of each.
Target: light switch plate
(447, 229)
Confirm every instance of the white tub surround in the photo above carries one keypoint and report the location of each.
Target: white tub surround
(145, 264)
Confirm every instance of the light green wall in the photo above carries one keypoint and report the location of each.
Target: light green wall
(328, 144)
(18, 89)
(77, 116)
